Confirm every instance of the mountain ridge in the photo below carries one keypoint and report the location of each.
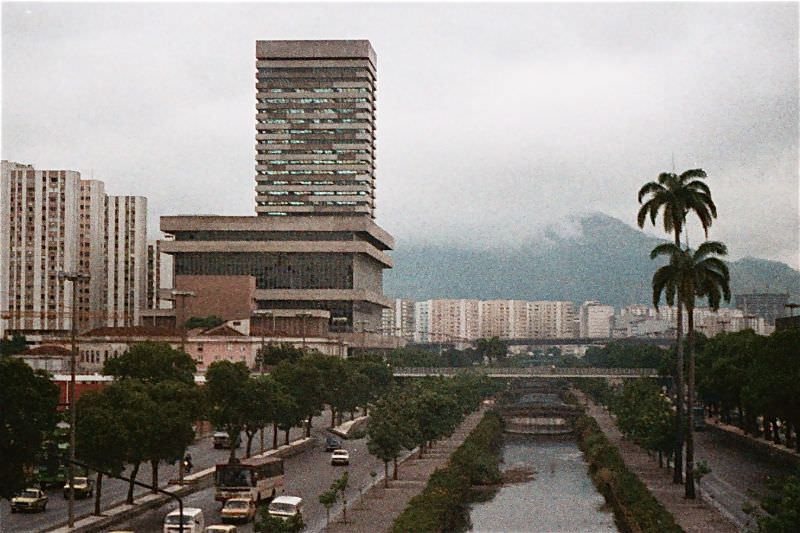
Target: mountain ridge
(591, 257)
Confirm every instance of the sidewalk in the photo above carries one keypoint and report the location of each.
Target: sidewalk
(693, 516)
(379, 507)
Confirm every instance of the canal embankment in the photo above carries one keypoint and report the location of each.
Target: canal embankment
(647, 498)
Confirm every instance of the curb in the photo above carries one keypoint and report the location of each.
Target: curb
(351, 426)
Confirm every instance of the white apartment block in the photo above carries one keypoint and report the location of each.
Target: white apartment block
(126, 259)
(422, 321)
(506, 319)
(551, 319)
(91, 256)
(39, 237)
(398, 320)
(595, 319)
(447, 320)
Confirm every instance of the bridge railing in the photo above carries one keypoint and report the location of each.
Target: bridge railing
(528, 371)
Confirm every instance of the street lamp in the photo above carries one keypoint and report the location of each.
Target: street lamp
(265, 313)
(340, 320)
(73, 277)
(182, 295)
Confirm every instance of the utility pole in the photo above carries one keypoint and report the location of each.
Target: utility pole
(73, 277)
(182, 295)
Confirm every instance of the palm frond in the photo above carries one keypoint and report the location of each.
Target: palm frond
(692, 174)
(651, 207)
(650, 188)
(709, 248)
(667, 248)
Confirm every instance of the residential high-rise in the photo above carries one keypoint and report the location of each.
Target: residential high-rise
(153, 276)
(398, 320)
(39, 217)
(506, 319)
(126, 259)
(595, 320)
(767, 305)
(315, 131)
(551, 319)
(91, 260)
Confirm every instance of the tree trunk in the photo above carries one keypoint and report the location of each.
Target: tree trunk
(262, 439)
(394, 474)
(154, 475)
(352, 415)
(287, 436)
(134, 473)
(98, 490)
(232, 442)
(249, 443)
(308, 425)
(333, 417)
(386, 474)
(689, 492)
(677, 475)
(274, 436)
(776, 434)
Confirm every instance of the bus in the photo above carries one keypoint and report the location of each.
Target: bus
(256, 478)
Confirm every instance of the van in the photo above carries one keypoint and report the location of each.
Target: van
(286, 506)
(193, 521)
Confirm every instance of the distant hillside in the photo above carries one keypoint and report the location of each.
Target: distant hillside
(601, 258)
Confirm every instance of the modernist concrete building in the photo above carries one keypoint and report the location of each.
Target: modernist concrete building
(153, 276)
(126, 259)
(92, 253)
(295, 263)
(39, 217)
(315, 131)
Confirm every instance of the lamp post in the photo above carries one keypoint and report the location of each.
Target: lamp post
(264, 313)
(340, 320)
(74, 277)
(182, 295)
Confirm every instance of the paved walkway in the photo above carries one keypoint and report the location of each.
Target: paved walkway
(380, 506)
(691, 515)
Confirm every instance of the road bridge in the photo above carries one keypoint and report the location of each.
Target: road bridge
(545, 372)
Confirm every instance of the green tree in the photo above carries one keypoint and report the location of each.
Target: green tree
(388, 433)
(304, 383)
(274, 353)
(266, 523)
(328, 500)
(16, 344)
(29, 400)
(206, 322)
(689, 275)
(226, 404)
(102, 437)
(677, 196)
(783, 506)
(259, 404)
(491, 349)
(340, 486)
(152, 362)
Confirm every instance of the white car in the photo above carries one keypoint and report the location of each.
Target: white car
(285, 506)
(192, 519)
(340, 457)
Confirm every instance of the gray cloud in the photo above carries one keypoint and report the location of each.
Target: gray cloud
(493, 120)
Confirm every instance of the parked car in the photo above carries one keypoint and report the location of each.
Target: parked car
(332, 443)
(238, 510)
(29, 500)
(192, 519)
(83, 487)
(285, 506)
(340, 457)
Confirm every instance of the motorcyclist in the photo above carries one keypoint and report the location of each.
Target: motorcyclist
(187, 462)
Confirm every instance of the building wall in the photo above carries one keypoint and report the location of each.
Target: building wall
(595, 319)
(551, 319)
(39, 238)
(126, 259)
(767, 305)
(228, 297)
(315, 128)
(153, 276)
(453, 320)
(91, 299)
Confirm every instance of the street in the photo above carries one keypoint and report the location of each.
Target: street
(307, 475)
(204, 455)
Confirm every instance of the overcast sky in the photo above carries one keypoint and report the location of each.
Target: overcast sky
(493, 120)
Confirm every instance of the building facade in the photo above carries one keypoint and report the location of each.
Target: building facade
(506, 319)
(767, 305)
(153, 276)
(595, 320)
(551, 319)
(92, 253)
(315, 128)
(399, 319)
(126, 259)
(39, 237)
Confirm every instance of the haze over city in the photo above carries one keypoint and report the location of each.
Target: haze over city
(493, 121)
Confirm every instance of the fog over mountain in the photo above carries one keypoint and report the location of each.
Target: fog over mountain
(590, 257)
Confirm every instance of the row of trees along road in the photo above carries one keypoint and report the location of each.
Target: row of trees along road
(147, 413)
(688, 275)
(421, 411)
(28, 402)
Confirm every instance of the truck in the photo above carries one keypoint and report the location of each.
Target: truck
(29, 500)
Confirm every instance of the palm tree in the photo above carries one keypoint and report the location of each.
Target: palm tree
(677, 196)
(689, 275)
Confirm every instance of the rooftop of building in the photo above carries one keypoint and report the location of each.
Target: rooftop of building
(316, 49)
(45, 350)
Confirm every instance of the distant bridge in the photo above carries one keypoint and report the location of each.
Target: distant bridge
(529, 372)
(572, 341)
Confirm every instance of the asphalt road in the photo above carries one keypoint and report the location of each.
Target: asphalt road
(738, 474)
(114, 490)
(307, 475)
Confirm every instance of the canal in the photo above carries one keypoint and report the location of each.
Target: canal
(559, 498)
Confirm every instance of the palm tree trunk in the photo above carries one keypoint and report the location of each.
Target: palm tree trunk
(689, 492)
(677, 474)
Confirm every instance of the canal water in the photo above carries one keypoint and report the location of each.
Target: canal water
(560, 499)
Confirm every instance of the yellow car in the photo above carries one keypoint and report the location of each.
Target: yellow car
(238, 510)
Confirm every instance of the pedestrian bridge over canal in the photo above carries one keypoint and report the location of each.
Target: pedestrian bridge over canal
(543, 372)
